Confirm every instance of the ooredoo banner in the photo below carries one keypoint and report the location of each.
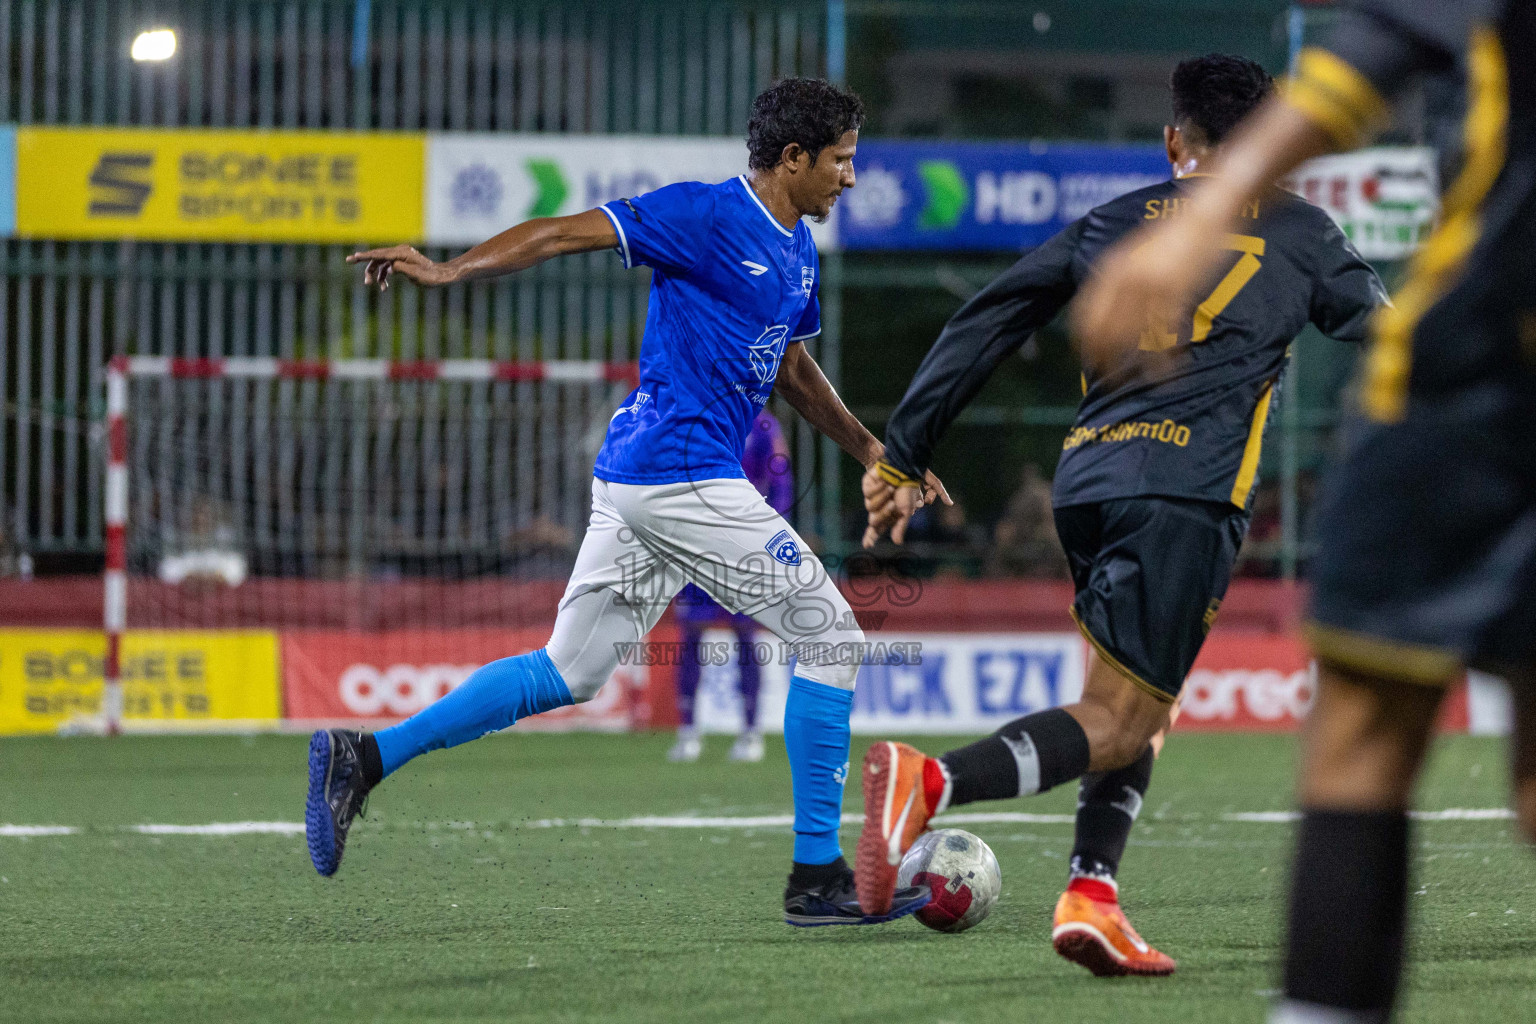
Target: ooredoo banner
(384, 677)
(173, 679)
(1266, 682)
(1260, 682)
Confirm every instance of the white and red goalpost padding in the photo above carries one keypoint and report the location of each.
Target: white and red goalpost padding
(114, 608)
(122, 369)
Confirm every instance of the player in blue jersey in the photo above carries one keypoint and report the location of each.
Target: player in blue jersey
(766, 463)
(733, 296)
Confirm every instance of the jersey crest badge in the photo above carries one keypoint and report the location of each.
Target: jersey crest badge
(807, 279)
(783, 548)
(765, 352)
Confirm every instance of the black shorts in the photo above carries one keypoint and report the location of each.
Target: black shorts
(1427, 531)
(1150, 574)
(1427, 528)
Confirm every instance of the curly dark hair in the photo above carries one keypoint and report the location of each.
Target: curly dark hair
(1216, 91)
(810, 111)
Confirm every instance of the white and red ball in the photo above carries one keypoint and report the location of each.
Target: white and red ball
(962, 873)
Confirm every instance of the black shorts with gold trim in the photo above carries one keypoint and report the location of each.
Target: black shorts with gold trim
(1150, 573)
(1427, 530)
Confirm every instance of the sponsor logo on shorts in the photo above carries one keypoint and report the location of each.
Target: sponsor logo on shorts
(783, 548)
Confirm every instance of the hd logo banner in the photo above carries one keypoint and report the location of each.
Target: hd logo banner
(917, 194)
(277, 186)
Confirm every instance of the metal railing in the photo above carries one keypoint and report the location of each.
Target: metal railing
(644, 66)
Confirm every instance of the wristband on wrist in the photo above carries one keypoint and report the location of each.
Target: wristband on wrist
(893, 476)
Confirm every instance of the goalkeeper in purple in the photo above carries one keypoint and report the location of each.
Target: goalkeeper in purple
(766, 462)
(733, 300)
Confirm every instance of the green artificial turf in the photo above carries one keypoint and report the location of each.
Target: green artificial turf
(453, 906)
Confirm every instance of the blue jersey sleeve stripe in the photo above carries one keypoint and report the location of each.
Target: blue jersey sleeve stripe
(771, 218)
(623, 242)
(804, 337)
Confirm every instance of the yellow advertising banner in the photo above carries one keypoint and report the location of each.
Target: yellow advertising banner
(194, 185)
(50, 676)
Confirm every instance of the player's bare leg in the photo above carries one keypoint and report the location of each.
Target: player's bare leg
(1524, 756)
(1362, 748)
(1107, 729)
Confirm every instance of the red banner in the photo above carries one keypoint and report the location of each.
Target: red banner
(1248, 681)
(384, 677)
(1265, 682)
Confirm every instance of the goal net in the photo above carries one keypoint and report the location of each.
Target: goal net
(350, 538)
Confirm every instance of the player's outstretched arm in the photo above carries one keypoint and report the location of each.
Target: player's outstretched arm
(1335, 100)
(809, 393)
(992, 325)
(518, 248)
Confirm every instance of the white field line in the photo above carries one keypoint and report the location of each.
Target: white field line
(28, 831)
(1449, 814)
(223, 828)
(244, 828)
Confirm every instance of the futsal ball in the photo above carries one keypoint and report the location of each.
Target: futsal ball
(961, 871)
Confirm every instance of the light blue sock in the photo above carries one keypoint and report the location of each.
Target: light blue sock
(492, 698)
(816, 736)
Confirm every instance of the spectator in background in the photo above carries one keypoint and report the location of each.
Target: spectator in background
(945, 533)
(12, 562)
(1024, 542)
(766, 462)
(1260, 553)
(543, 548)
(207, 549)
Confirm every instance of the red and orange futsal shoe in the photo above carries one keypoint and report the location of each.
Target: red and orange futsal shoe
(903, 788)
(1094, 932)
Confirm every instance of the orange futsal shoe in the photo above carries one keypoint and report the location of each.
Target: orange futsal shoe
(1095, 933)
(902, 790)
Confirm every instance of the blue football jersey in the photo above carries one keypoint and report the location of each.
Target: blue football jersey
(731, 287)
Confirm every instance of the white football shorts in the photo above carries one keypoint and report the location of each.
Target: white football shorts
(645, 541)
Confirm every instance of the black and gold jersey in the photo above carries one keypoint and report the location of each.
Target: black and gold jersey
(1467, 312)
(1184, 416)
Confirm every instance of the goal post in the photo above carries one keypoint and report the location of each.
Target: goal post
(428, 508)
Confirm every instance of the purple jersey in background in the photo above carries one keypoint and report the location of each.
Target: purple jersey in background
(765, 460)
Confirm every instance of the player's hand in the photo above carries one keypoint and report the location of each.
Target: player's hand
(380, 264)
(890, 507)
(933, 490)
(1148, 278)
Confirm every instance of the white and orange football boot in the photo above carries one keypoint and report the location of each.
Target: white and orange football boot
(1091, 930)
(903, 788)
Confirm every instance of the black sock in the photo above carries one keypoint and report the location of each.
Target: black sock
(1349, 905)
(1107, 805)
(373, 765)
(809, 876)
(1028, 755)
